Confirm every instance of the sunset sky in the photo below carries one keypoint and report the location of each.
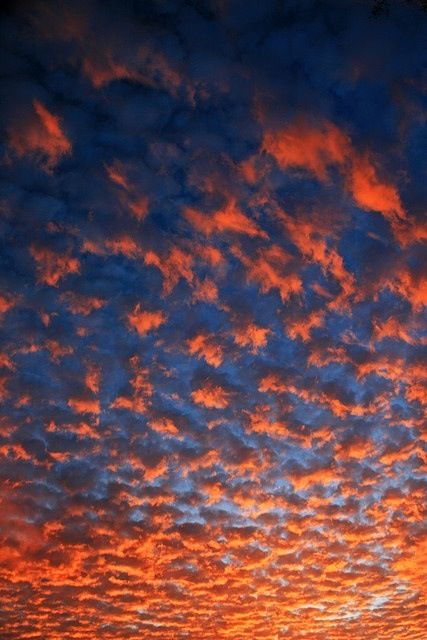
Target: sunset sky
(212, 314)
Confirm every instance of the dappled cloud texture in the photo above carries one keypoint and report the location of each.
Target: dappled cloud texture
(212, 315)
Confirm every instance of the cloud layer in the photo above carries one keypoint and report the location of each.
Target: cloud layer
(212, 312)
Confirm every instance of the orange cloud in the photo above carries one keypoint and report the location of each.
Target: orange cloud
(316, 247)
(125, 245)
(137, 203)
(251, 336)
(164, 426)
(137, 405)
(117, 175)
(58, 350)
(252, 170)
(358, 448)
(205, 347)
(149, 67)
(410, 565)
(205, 290)
(260, 421)
(269, 270)
(6, 303)
(230, 218)
(317, 148)
(142, 389)
(417, 392)
(139, 207)
(211, 396)
(93, 378)
(412, 287)
(79, 304)
(307, 477)
(51, 267)
(175, 266)
(4, 393)
(303, 326)
(272, 382)
(145, 321)
(84, 405)
(140, 381)
(392, 328)
(321, 357)
(41, 137)
(302, 145)
(211, 255)
(6, 362)
(373, 194)
(102, 72)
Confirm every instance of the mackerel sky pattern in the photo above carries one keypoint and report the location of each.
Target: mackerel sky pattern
(212, 317)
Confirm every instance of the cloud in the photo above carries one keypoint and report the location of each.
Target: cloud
(51, 267)
(251, 336)
(212, 297)
(311, 147)
(269, 269)
(229, 218)
(205, 346)
(211, 396)
(41, 137)
(145, 321)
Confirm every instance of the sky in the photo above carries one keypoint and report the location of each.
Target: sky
(212, 315)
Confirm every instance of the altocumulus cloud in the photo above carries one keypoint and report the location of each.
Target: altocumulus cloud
(212, 316)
